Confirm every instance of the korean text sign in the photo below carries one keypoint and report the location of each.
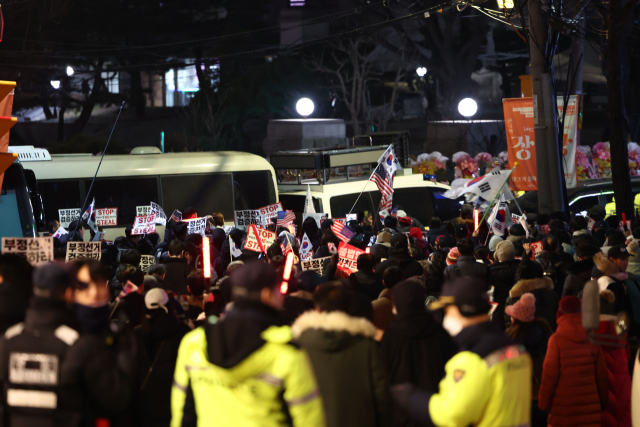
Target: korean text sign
(67, 216)
(348, 258)
(144, 224)
(86, 250)
(196, 226)
(146, 261)
(37, 251)
(316, 265)
(106, 216)
(244, 219)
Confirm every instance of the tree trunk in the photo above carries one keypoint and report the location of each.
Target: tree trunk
(138, 99)
(617, 121)
(87, 106)
(201, 70)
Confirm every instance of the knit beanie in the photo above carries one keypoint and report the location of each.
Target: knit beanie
(453, 256)
(569, 304)
(505, 251)
(494, 242)
(524, 309)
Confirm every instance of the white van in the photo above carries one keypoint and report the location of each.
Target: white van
(336, 178)
(206, 181)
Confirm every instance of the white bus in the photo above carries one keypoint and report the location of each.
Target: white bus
(206, 181)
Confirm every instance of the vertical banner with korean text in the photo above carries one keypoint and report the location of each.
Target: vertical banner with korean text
(519, 126)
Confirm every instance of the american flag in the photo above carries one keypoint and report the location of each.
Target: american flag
(342, 232)
(285, 217)
(286, 247)
(394, 212)
(383, 180)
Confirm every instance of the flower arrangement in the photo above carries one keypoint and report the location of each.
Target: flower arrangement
(430, 164)
(634, 158)
(504, 159)
(584, 168)
(466, 166)
(602, 159)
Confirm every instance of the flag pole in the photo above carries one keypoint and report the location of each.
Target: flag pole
(365, 186)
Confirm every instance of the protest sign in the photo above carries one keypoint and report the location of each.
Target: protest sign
(106, 216)
(143, 210)
(60, 232)
(316, 265)
(348, 258)
(259, 239)
(146, 261)
(176, 216)
(270, 211)
(544, 229)
(83, 250)
(244, 219)
(98, 236)
(319, 217)
(196, 226)
(37, 250)
(227, 229)
(161, 217)
(144, 224)
(306, 248)
(591, 223)
(342, 220)
(67, 216)
(622, 224)
(536, 248)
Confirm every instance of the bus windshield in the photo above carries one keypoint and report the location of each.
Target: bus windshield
(15, 205)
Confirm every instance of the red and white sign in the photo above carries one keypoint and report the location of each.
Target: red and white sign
(342, 220)
(628, 225)
(544, 229)
(106, 217)
(259, 239)
(536, 248)
(591, 224)
(144, 224)
(348, 258)
(271, 211)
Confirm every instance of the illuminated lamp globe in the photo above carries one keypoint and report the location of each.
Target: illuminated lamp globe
(304, 107)
(55, 84)
(421, 71)
(467, 107)
(69, 71)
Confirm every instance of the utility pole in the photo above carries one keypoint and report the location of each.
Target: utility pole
(577, 70)
(551, 184)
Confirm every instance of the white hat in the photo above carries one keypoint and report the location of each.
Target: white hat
(156, 298)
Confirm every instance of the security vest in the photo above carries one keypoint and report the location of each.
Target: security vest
(494, 391)
(34, 394)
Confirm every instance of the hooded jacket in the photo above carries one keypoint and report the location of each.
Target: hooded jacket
(351, 377)
(547, 300)
(624, 286)
(242, 371)
(574, 377)
(366, 283)
(578, 273)
(618, 410)
(504, 277)
(414, 348)
(158, 340)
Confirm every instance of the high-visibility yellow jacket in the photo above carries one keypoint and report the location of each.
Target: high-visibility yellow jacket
(253, 392)
(490, 392)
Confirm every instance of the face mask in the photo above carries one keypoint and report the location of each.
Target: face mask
(451, 325)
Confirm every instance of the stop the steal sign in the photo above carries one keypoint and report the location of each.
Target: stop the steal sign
(106, 216)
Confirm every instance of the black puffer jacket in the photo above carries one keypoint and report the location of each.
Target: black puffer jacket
(504, 276)
(547, 300)
(467, 266)
(578, 274)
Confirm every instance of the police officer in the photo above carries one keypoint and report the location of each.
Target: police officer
(51, 374)
(488, 383)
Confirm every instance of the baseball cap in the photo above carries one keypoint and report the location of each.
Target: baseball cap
(405, 221)
(619, 252)
(251, 278)
(399, 241)
(156, 298)
(51, 280)
(467, 294)
(586, 250)
(384, 238)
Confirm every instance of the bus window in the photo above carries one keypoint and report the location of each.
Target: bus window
(59, 195)
(206, 193)
(253, 190)
(341, 205)
(416, 202)
(124, 194)
(296, 203)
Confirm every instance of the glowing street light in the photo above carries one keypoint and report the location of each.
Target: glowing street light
(69, 71)
(505, 4)
(304, 107)
(55, 84)
(421, 71)
(467, 107)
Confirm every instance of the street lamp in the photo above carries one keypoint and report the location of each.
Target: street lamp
(69, 71)
(505, 4)
(467, 107)
(304, 107)
(421, 71)
(55, 84)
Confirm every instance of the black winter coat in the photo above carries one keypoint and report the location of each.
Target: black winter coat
(367, 284)
(380, 252)
(504, 277)
(578, 273)
(467, 266)
(404, 261)
(158, 341)
(177, 272)
(553, 261)
(547, 300)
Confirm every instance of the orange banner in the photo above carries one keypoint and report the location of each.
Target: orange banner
(518, 121)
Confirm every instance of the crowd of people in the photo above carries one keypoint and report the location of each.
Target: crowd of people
(448, 327)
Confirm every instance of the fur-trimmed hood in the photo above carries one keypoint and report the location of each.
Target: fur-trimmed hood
(528, 285)
(607, 268)
(334, 321)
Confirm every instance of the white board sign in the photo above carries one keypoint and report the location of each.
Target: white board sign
(106, 217)
(37, 250)
(144, 224)
(196, 226)
(161, 217)
(316, 265)
(146, 261)
(67, 216)
(143, 210)
(83, 250)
